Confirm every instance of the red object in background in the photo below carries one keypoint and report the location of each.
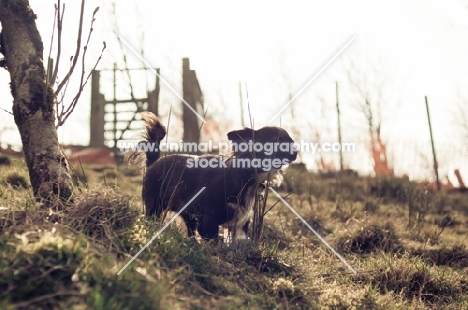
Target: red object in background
(92, 156)
(379, 154)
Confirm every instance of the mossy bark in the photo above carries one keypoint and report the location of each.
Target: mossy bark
(34, 101)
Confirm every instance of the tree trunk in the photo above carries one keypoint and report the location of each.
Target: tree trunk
(33, 102)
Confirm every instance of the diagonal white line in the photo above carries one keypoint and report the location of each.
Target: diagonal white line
(316, 233)
(161, 230)
(312, 79)
(162, 80)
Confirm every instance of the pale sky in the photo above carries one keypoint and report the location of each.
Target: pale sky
(272, 47)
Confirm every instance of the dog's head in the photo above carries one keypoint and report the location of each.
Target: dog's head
(268, 147)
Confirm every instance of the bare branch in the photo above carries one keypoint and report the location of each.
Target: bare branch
(77, 52)
(370, 80)
(62, 111)
(65, 112)
(460, 116)
(48, 82)
(52, 42)
(59, 40)
(6, 111)
(64, 116)
(124, 55)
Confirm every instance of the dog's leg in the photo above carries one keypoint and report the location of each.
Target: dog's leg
(240, 233)
(190, 222)
(208, 228)
(245, 228)
(152, 206)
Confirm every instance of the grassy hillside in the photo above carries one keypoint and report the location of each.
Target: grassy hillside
(408, 245)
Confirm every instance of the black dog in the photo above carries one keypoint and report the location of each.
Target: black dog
(231, 180)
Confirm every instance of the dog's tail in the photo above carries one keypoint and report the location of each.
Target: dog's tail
(154, 133)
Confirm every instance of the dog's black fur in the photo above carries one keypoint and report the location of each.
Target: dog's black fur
(169, 184)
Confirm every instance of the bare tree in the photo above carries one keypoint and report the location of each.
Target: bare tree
(460, 116)
(373, 84)
(34, 99)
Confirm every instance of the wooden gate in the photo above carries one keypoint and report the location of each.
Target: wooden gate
(108, 125)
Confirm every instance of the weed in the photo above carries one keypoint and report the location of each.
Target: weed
(420, 201)
(370, 239)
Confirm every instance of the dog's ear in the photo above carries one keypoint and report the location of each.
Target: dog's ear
(243, 135)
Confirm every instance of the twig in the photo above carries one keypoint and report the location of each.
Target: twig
(77, 52)
(278, 200)
(28, 303)
(59, 115)
(59, 18)
(198, 287)
(46, 85)
(6, 111)
(51, 44)
(71, 107)
(124, 56)
(286, 304)
(248, 106)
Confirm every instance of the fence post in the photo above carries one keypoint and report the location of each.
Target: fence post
(153, 96)
(339, 126)
(192, 95)
(96, 138)
(433, 148)
(241, 104)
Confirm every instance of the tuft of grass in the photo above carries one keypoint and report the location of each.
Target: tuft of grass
(390, 189)
(345, 209)
(282, 240)
(371, 206)
(106, 216)
(39, 268)
(16, 180)
(416, 281)
(420, 202)
(371, 238)
(53, 269)
(455, 256)
(335, 298)
(347, 186)
(315, 221)
(5, 160)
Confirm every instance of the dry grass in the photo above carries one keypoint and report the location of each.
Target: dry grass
(105, 216)
(5, 160)
(69, 258)
(371, 238)
(16, 181)
(455, 256)
(415, 281)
